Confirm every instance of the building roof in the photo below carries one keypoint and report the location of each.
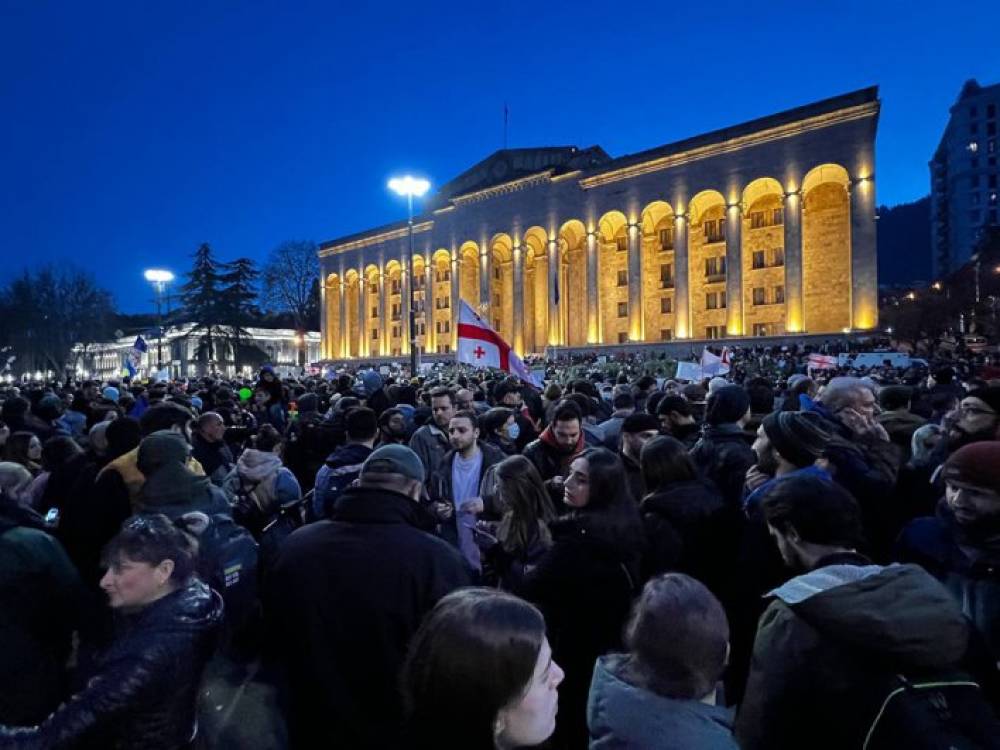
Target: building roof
(508, 165)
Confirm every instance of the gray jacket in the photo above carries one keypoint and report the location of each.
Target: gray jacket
(430, 443)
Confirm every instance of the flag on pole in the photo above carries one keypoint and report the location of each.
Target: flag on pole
(480, 346)
(724, 361)
(134, 356)
(711, 364)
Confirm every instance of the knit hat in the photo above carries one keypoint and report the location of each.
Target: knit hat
(988, 394)
(977, 464)
(371, 381)
(110, 393)
(394, 459)
(800, 437)
(307, 402)
(640, 421)
(727, 405)
(694, 393)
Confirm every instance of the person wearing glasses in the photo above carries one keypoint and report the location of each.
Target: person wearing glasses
(144, 688)
(977, 418)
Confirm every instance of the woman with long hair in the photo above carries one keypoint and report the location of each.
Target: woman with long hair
(585, 582)
(480, 675)
(24, 448)
(522, 533)
(144, 689)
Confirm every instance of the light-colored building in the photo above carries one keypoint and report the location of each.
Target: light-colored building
(965, 196)
(179, 352)
(759, 229)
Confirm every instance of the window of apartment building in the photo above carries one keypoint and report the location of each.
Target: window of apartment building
(715, 332)
(496, 301)
(759, 295)
(758, 259)
(419, 282)
(991, 181)
(974, 180)
(666, 305)
(991, 128)
(666, 275)
(443, 303)
(395, 332)
(756, 219)
(373, 287)
(622, 337)
(396, 286)
(974, 216)
(497, 273)
(760, 329)
(991, 146)
(443, 275)
(623, 278)
(397, 311)
(666, 334)
(715, 266)
(621, 244)
(623, 309)
(375, 311)
(422, 329)
(711, 301)
(667, 238)
(374, 333)
(777, 216)
(444, 348)
(991, 110)
(722, 300)
(715, 230)
(779, 295)
(778, 256)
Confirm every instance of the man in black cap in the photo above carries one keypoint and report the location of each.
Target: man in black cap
(637, 430)
(722, 453)
(789, 443)
(345, 597)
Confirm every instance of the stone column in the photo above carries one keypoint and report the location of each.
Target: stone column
(593, 291)
(555, 336)
(343, 335)
(635, 332)
(864, 269)
(325, 334)
(794, 320)
(485, 282)
(430, 335)
(734, 271)
(452, 338)
(404, 300)
(682, 302)
(518, 342)
(364, 343)
(384, 322)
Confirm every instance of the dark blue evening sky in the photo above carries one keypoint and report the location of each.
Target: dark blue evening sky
(131, 132)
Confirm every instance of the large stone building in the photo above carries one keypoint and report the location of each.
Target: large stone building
(965, 196)
(758, 229)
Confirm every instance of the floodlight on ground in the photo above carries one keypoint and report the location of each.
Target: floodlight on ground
(409, 186)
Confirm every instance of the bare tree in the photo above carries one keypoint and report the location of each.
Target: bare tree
(290, 282)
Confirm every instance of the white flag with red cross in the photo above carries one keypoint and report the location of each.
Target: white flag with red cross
(480, 346)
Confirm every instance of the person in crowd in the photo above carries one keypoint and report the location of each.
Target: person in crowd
(611, 428)
(509, 394)
(593, 437)
(841, 623)
(97, 442)
(557, 447)
(589, 575)
(662, 693)
(170, 486)
(74, 419)
(268, 410)
(24, 448)
(456, 482)
(259, 483)
(144, 691)
(343, 466)
(978, 418)
(14, 482)
(480, 674)
(209, 447)
(464, 400)
(761, 394)
(431, 442)
(392, 428)
(899, 422)
(373, 391)
(499, 428)
(637, 429)
(797, 387)
(916, 494)
(63, 462)
(677, 419)
(41, 601)
(722, 454)
(522, 533)
(960, 546)
(683, 515)
(16, 414)
(344, 599)
(788, 444)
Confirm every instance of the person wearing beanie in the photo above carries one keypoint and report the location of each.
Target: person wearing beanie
(637, 430)
(978, 418)
(722, 454)
(342, 592)
(788, 443)
(171, 487)
(960, 545)
(110, 394)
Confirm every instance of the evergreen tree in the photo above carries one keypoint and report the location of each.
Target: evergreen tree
(237, 299)
(200, 296)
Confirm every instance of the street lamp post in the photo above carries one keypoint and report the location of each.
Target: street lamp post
(159, 278)
(410, 187)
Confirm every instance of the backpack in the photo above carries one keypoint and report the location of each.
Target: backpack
(933, 712)
(269, 529)
(227, 562)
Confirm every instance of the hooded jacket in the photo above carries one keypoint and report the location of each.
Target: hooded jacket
(262, 475)
(622, 716)
(342, 467)
(145, 691)
(723, 456)
(171, 487)
(831, 633)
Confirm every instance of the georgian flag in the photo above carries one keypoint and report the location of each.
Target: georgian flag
(480, 346)
(713, 364)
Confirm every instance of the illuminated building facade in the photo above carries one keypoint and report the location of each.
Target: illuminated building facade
(759, 229)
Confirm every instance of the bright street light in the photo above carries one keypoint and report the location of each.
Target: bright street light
(409, 186)
(158, 276)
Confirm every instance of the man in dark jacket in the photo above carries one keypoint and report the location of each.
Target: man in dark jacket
(346, 596)
(897, 419)
(677, 420)
(961, 546)
(722, 454)
(430, 442)
(637, 430)
(343, 466)
(209, 448)
(557, 446)
(841, 629)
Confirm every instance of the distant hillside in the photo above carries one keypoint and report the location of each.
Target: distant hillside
(904, 243)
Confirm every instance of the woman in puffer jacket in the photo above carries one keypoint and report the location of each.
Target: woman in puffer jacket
(144, 689)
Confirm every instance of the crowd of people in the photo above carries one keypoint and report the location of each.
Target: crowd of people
(775, 558)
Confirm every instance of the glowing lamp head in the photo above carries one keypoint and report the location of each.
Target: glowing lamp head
(409, 186)
(158, 276)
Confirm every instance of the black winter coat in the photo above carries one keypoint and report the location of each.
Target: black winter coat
(723, 456)
(145, 691)
(344, 599)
